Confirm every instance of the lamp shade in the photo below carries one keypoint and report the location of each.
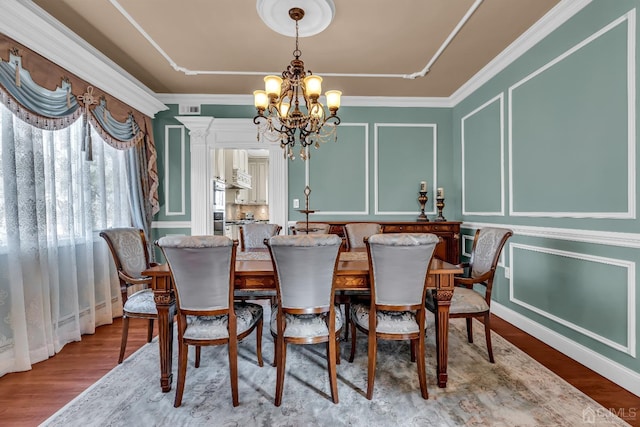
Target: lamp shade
(260, 99)
(333, 99)
(313, 86)
(272, 85)
(284, 109)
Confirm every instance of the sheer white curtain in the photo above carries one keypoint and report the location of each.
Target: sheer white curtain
(56, 276)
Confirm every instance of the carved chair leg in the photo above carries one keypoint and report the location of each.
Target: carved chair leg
(413, 350)
(183, 351)
(469, 329)
(331, 361)
(347, 319)
(233, 368)
(197, 364)
(422, 377)
(125, 334)
(150, 331)
(259, 342)
(281, 346)
(487, 333)
(371, 369)
(353, 342)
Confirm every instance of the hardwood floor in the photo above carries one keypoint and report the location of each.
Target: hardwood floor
(28, 398)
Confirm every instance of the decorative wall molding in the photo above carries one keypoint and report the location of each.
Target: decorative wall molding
(631, 130)
(609, 238)
(434, 177)
(557, 16)
(364, 211)
(465, 239)
(500, 212)
(606, 367)
(167, 176)
(630, 347)
(171, 224)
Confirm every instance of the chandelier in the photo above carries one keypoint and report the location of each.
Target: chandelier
(280, 117)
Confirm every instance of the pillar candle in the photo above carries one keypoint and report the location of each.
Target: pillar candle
(441, 192)
(423, 186)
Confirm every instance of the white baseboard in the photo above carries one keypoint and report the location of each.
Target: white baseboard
(615, 372)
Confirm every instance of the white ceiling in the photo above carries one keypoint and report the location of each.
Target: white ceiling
(369, 49)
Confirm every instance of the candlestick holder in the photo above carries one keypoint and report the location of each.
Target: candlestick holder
(422, 199)
(440, 206)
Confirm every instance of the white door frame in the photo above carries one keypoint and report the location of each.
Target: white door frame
(207, 134)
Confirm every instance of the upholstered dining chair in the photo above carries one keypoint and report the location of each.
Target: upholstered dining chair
(203, 271)
(253, 235)
(468, 302)
(398, 267)
(356, 232)
(314, 228)
(128, 247)
(305, 267)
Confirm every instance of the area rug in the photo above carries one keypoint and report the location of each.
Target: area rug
(515, 391)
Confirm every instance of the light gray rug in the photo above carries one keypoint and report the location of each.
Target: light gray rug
(515, 391)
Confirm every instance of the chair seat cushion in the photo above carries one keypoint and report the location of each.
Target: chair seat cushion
(464, 300)
(140, 302)
(215, 327)
(389, 322)
(305, 325)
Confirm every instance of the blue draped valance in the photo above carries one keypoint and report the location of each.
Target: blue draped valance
(22, 91)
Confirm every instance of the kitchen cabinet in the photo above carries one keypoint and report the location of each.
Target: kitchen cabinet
(219, 164)
(259, 171)
(236, 159)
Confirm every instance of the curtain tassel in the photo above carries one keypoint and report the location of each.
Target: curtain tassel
(17, 75)
(68, 97)
(89, 149)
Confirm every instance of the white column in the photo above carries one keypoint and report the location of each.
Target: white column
(199, 128)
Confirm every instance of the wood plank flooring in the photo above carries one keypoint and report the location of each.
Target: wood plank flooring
(29, 398)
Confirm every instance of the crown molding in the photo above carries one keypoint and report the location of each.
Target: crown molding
(349, 101)
(28, 24)
(557, 16)
(59, 44)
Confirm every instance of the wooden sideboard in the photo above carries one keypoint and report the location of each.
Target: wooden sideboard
(447, 250)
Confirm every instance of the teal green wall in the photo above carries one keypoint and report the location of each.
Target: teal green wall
(564, 105)
(404, 141)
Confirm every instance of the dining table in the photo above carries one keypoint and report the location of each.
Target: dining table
(254, 275)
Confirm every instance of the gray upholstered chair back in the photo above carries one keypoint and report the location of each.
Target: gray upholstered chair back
(253, 235)
(201, 268)
(400, 262)
(129, 249)
(314, 228)
(486, 249)
(304, 265)
(356, 232)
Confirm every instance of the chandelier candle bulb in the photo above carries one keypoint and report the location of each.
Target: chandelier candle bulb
(272, 85)
(333, 100)
(260, 99)
(423, 186)
(313, 85)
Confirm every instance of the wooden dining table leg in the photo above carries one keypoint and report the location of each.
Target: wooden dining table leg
(164, 299)
(443, 296)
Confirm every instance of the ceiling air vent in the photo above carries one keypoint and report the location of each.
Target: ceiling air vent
(189, 109)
